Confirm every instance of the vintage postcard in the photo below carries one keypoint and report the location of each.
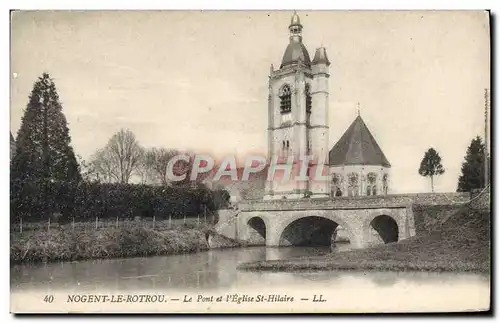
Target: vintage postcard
(250, 161)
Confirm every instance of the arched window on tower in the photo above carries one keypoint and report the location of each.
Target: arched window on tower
(285, 152)
(308, 98)
(371, 188)
(353, 184)
(385, 184)
(337, 184)
(285, 99)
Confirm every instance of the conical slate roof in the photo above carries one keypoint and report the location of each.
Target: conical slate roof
(357, 146)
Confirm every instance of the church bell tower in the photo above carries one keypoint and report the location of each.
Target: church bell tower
(298, 121)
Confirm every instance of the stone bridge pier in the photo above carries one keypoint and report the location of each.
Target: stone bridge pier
(363, 227)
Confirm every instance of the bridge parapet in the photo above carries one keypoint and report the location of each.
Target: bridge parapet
(359, 202)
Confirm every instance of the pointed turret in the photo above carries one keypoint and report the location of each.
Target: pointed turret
(320, 57)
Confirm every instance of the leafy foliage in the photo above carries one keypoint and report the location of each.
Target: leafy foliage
(126, 201)
(44, 155)
(431, 166)
(473, 167)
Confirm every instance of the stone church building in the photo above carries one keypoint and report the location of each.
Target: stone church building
(357, 164)
(298, 114)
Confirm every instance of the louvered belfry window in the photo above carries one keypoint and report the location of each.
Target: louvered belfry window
(286, 100)
(308, 99)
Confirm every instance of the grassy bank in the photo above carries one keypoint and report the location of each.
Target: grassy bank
(462, 243)
(110, 242)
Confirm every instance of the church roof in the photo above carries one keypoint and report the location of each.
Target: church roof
(295, 51)
(357, 146)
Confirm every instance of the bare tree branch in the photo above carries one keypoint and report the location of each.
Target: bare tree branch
(156, 159)
(120, 158)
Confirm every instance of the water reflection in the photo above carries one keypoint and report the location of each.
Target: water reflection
(215, 269)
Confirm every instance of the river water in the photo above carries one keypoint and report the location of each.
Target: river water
(215, 271)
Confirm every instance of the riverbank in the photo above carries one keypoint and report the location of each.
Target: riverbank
(67, 245)
(461, 244)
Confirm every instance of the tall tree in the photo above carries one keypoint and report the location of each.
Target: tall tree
(119, 159)
(104, 167)
(472, 176)
(87, 170)
(430, 165)
(156, 161)
(144, 171)
(44, 157)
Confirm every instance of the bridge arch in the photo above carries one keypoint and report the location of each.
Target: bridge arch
(383, 227)
(311, 230)
(308, 231)
(257, 230)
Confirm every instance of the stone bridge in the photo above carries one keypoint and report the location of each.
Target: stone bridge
(366, 221)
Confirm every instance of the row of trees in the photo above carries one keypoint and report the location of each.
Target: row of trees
(473, 167)
(123, 159)
(47, 179)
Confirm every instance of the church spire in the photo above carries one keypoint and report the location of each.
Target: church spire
(295, 28)
(359, 113)
(295, 50)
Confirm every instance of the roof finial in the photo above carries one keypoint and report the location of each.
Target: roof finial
(295, 21)
(359, 113)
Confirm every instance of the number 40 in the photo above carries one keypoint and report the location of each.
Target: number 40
(48, 298)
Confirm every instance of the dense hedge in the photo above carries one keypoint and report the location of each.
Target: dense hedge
(85, 200)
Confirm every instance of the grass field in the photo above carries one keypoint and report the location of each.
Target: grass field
(462, 243)
(128, 239)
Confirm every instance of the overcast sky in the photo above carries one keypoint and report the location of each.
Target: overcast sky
(198, 80)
